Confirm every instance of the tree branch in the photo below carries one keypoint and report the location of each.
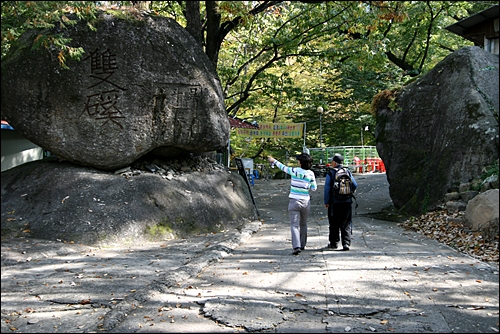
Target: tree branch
(398, 62)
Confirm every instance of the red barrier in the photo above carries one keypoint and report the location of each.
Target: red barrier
(357, 165)
(371, 164)
(382, 166)
(377, 165)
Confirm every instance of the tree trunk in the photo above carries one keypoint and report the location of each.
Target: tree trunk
(212, 39)
(193, 19)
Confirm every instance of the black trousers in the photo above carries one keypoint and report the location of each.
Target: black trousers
(340, 220)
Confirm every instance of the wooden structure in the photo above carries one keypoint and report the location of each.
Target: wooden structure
(480, 28)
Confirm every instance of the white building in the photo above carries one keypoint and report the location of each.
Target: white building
(16, 149)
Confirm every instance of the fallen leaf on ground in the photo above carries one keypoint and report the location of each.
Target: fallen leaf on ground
(437, 225)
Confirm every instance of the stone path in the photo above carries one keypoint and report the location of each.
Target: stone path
(392, 280)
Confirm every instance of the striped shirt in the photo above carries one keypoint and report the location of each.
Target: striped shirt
(302, 181)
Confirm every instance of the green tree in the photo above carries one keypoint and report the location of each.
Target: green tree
(19, 16)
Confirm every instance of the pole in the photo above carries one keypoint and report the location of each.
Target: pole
(304, 146)
(320, 110)
(320, 139)
(229, 152)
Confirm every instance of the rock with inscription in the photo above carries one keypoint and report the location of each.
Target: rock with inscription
(143, 86)
(441, 130)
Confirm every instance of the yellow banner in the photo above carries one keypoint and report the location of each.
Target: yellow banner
(273, 130)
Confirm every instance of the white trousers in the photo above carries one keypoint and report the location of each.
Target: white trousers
(299, 209)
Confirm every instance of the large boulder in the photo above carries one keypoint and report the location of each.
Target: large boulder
(143, 85)
(441, 130)
(72, 203)
(481, 214)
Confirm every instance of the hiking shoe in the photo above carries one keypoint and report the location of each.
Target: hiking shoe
(330, 246)
(345, 247)
(302, 248)
(296, 251)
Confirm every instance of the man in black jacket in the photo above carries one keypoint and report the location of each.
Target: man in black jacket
(339, 211)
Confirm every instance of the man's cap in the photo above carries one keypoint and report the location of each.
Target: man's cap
(338, 158)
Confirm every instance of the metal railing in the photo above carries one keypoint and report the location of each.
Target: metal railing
(348, 152)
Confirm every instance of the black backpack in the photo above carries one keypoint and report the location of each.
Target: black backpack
(342, 186)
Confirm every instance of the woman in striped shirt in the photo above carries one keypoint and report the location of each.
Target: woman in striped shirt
(303, 180)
